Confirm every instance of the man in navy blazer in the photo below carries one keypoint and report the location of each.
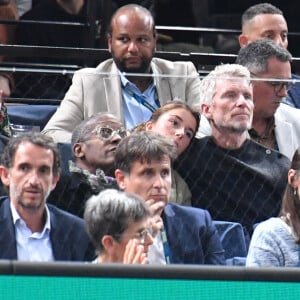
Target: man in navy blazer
(31, 230)
(185, 235)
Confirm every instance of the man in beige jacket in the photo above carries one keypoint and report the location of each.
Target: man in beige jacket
(130, 85)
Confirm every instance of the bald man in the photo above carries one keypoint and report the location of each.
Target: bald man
(130, 85)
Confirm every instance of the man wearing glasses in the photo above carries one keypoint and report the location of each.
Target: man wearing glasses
(94, 142)
(275, 125)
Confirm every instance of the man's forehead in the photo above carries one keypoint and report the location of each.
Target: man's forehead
(25, 151)
(149, 163)
(267, 22)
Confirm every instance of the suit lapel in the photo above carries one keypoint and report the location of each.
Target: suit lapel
(284, 136)
(163, 84)
(113, 93)
(58, 237)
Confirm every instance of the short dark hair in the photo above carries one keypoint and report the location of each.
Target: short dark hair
(259, 9)
(35, 138)
(143, 146)
(255, 56)
(110, 212)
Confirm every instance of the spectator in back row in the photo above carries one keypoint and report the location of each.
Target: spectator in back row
(186, 234)
(110, 86)
(32, 230)
(230, 175)
(119, 226)
(94, 142)
(265, 20)
(179, 122)
(275, 242)
(50, 86)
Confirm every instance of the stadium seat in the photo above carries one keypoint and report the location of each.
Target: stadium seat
(31, 114)
(234, 242)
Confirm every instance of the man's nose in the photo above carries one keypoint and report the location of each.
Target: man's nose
(279, 41)
(132, 46)
(34, 178)
(159, 181)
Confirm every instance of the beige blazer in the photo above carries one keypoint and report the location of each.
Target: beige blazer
(99, 90)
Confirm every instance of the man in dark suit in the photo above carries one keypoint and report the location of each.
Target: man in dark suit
(185, 235)
(31, 230)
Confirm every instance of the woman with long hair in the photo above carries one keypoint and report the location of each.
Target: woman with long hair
(276, 241)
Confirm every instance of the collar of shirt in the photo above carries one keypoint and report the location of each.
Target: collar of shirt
(156, 251)
(18, 221)
(125, 81)
(135, 112)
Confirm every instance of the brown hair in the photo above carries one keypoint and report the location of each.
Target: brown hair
(166, 108)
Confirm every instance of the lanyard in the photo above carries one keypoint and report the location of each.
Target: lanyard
(142, 100)
(166, 247)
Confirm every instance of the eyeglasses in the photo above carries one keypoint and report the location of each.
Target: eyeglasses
(277, 85)
(144, 234)
(106, 132)
(141, 236)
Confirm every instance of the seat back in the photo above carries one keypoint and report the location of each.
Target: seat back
(31, 114)
(233, 240)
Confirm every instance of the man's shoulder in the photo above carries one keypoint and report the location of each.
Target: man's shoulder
(65, 217)
(105, 66)
(287, 113)
(185, 211)
(173, 66)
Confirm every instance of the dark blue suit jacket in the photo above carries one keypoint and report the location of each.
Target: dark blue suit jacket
(192, 237)
(69, 240)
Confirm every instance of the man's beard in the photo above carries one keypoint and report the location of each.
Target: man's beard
(143, 68)
(28, 206)
(233, 128)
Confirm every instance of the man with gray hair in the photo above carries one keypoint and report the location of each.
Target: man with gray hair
(275, 125)
(233, 177)
(119, 226)
(186, 235)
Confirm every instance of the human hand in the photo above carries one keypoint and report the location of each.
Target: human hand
(157, 224)
(135, 253)
(155, 207)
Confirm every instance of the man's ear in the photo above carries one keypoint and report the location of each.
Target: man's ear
(206, 111)
(54, 181)
(77, 150)
(243, 40)
(109, 41)
(120, 177)
(4, 175)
